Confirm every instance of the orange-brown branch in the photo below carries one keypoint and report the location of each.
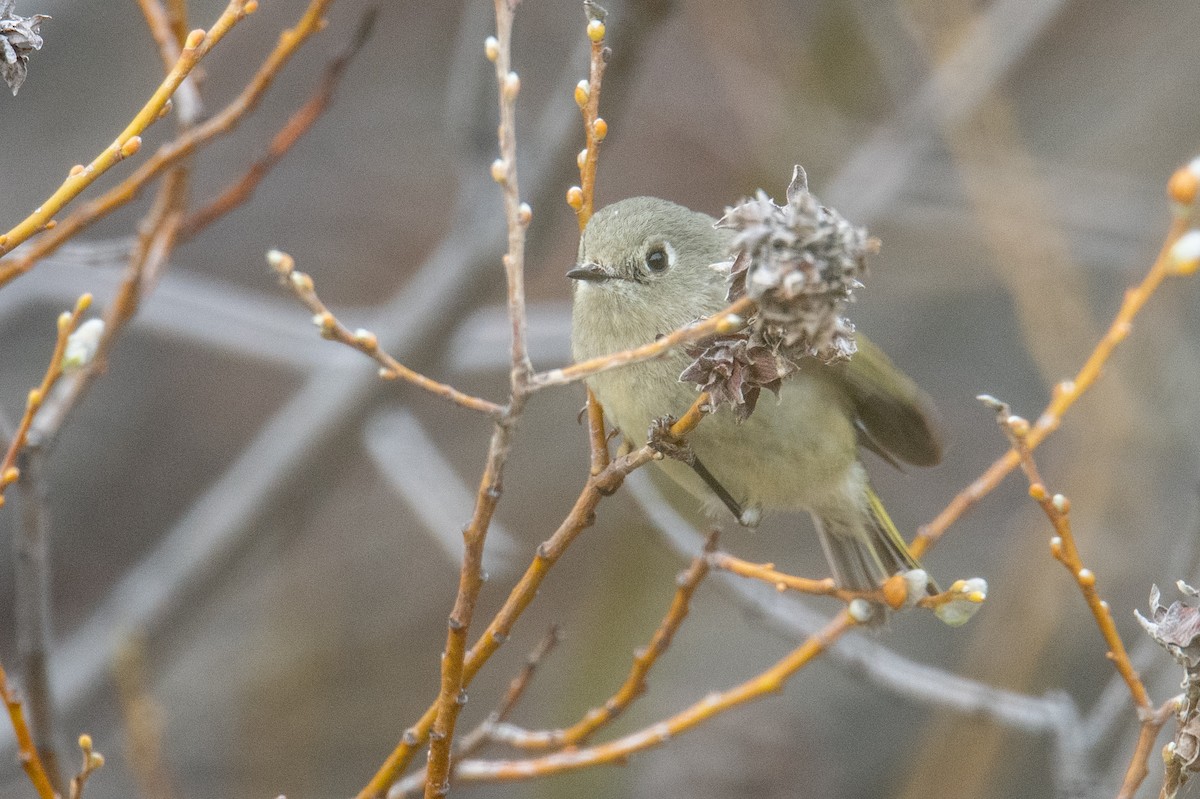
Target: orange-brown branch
(293, 130)
(364, 341)
(728, 320)
(67, 322)
(1066, 394)
(30, 761)
(635, 683)
(581, 516)
(168, 154)
(127, 143)
(770, 681)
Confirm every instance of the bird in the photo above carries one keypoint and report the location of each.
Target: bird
(644, 269)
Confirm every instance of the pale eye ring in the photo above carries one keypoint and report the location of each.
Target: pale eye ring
(660, 257)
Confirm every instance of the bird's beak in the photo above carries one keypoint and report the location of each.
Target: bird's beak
(593, 273)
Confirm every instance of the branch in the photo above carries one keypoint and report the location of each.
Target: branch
(472, 741)
(1057, 509)
(581, 198)
(166, 28)
(635, 684)
(181, 147)
(28, 752)
(297, 125)
(451, 695)
(68, 321)
(727, 321)
(127, 143)
(365, 341)
(1068, 392)
(770, 681)
(581, 516)
(31, 607)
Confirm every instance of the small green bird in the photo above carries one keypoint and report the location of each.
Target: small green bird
(645, 269)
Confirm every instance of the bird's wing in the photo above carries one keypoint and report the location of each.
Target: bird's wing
(895, 419)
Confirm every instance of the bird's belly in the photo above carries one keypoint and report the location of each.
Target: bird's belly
(791, 453)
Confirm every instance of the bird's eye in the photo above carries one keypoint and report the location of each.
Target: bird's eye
(660, 257)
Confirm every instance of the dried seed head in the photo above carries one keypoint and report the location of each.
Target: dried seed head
(801, 263)
(19, 37)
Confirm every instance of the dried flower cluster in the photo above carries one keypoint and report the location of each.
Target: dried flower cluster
(1176, 628)
(800, 262)
(19, 36)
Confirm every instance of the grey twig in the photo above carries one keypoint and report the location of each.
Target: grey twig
(32, 608)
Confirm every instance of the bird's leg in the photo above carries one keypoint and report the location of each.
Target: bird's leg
(660, 438)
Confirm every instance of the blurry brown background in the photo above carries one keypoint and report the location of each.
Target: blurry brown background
(274, 523)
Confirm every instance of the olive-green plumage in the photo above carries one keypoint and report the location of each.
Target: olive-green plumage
(645, 269)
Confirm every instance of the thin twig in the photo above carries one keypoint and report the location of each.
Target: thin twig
(587, 95)
(476, 738)
(581, 516)
(1065, 550)
(767, 573)
(31, 608)
(635, 683)
(726, 321)
(451, 695)
(127, 143)
(597, 437)
(297, 125)
(30, 760)
(1057, 509)
(67, 322)
(157, 236)
(1066, 394)
(163, 25)
(174, 151)
(770, 681)
(366, 342)
(92, 760)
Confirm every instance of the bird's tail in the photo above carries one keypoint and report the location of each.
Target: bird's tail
(863, 546)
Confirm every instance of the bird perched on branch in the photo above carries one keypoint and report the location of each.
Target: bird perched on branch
(648, 266)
